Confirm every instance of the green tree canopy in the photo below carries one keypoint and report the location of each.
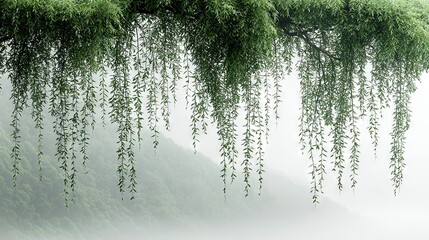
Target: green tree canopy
(230, 54)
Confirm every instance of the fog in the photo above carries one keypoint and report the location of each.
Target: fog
(375, 212)
(283, 211)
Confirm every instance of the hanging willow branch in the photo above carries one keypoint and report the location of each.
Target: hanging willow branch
(230, 53)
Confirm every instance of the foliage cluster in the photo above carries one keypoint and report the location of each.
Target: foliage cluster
(232, 53)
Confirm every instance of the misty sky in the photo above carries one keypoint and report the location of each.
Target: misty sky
(406, 213)
(371, 205)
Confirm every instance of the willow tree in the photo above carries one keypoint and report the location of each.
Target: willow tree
(229, 54)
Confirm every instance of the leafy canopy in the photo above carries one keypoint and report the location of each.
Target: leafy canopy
(71, 56)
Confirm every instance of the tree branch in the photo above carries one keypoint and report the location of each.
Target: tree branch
(282, 22)
(285, 24)
(304, 36)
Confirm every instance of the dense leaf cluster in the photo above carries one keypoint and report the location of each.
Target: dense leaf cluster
(231, 54)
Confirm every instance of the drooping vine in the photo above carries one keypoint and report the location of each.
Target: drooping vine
(354, 59)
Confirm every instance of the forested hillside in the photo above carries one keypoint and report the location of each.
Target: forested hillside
(176, 188)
